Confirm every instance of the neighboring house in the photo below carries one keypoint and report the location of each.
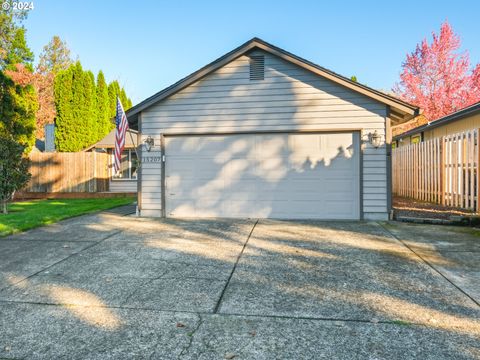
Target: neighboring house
(462, 120)
(126, 179)
(262, 133)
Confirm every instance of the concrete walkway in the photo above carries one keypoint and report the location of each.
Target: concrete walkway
(111, 286)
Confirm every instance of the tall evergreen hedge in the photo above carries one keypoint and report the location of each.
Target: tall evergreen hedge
(85, 107)
(103, 109)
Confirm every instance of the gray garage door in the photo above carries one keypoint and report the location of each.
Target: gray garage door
(302, 176)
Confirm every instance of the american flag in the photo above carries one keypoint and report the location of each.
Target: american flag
(120, 133)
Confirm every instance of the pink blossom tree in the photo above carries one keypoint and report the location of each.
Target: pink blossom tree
(437, 76)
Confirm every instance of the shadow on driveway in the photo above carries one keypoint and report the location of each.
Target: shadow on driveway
(107, 285)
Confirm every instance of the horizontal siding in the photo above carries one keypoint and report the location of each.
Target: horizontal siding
(123, 186)
(376, 170)
(368, 177)
(380, 190)
(151, 195)
(289, 99)
(374, 164)
(368, 203)
(244, 103)
(382, 216)
(374, 196)
(274, 89)
(374, 209)
(255, 127)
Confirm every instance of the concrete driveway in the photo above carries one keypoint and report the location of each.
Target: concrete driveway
(107, 286)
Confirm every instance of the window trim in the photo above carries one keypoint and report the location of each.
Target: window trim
(112, 178)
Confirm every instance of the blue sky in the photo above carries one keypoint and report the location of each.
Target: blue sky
(148, 45)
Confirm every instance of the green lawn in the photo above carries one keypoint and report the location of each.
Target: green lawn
(26, 215)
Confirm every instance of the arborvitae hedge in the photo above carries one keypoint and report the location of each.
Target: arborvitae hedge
(85, 108)
(103, 118)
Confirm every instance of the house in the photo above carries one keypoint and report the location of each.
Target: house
(462, 120)
(263, 133)
(126, 179)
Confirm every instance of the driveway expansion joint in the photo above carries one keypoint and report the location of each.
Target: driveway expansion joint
(202, 314)
(217, 306)
(429, 265)
(94, 243)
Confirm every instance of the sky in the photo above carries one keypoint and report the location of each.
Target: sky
(148, 45)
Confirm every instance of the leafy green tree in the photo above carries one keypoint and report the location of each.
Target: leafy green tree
(105, 125)
(54, 57)
(18, 105)
(14, 173)
(43, 85)
(13, 46)
(20, 53)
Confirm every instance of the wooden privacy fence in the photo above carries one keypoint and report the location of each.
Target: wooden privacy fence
(68, 172)
(442, 170)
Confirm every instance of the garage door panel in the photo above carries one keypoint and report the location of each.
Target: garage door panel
(269, 175)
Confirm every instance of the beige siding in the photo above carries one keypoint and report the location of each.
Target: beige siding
(468, 123)
(404, 141)
(289, 99)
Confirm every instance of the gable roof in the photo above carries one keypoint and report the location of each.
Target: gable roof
(400, 111)
(457, 115)
(108, 142)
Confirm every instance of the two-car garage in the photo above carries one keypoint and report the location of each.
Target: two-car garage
(262, 133)
(279, 175)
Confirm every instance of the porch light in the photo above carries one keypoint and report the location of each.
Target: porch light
(375, 139)
(149, 142)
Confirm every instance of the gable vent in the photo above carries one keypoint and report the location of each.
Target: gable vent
(257, 67)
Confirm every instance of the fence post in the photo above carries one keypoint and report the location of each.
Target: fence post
(477, 157)
(442, 169)
(95, 189)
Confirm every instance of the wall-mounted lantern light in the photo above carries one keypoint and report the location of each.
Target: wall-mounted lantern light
(149, 143)
(375, 139)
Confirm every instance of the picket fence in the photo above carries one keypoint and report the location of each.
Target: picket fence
(442, 170)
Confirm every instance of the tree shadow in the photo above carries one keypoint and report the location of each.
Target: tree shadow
(295, 269)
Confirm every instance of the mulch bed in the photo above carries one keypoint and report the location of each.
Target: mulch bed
(419, 209)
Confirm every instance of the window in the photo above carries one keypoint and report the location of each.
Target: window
(128, 166)
(415, 139)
